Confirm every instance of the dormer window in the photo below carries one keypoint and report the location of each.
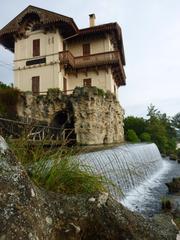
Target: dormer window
(36, 47)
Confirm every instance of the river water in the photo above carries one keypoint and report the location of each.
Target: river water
(138, 171)
(146, 198)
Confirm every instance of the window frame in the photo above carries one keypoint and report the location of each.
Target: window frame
(36, 47)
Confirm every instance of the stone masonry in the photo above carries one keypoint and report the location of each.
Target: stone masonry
(96, 117)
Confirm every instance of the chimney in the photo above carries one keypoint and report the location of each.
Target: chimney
(92, 18)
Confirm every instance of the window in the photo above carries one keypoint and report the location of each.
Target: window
(86, 49)
(65, 85)
(35, 85)
(87, 82)
(36, 47)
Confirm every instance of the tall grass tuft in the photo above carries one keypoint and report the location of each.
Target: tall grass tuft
(57, 169)
(65, 174)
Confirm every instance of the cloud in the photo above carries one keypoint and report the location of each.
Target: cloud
(151, 36)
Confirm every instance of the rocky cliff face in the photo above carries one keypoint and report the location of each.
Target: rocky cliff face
(27, 212)
(97, 117)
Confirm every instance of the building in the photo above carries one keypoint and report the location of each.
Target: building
(50, 51)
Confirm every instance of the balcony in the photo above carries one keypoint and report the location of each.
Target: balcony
(98, 59)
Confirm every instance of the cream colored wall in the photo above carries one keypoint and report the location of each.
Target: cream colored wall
(103, 80)
(97, 45)
(50, 75)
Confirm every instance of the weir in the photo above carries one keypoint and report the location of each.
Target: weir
(126, 166)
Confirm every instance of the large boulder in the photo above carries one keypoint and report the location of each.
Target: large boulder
(28, 212)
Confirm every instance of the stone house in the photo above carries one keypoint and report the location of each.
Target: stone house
(50, 51)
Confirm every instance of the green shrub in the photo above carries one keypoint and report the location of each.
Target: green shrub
(145, 137)
(8, 102)
(3, 85)
(54, 92)
(137, 124)
(131, 136)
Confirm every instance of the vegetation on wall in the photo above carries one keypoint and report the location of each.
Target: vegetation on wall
(158, 128)
(8, 101)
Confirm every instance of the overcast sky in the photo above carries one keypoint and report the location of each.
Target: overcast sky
(151, 33)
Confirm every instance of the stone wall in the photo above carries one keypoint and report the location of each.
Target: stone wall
(97, 117)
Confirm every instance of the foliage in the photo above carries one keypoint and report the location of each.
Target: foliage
(66, 175)
(101, 92)
(3, 85)
(57, 169)
(166, 204)
(135, 123)
(158, 134)
(8, 101)
(176, 120)
(131, 136)
(145, 137)
(54, 92)
(157, 128)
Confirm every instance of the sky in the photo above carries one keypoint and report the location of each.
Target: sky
(151, 35)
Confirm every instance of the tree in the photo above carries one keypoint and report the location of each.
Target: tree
(131, 136)
(3, 85)
(153, 111)
(176, 121)
(135, 123)
(145, 137)
(161, 130)
(158, 134)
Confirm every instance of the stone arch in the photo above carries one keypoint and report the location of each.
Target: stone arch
(64, 121)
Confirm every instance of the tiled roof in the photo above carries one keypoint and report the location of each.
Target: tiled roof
(66, 24)
(46, 17)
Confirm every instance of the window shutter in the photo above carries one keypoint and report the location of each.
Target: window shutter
(36, 47)
(35, 85)
(87, 82)
(86, 49)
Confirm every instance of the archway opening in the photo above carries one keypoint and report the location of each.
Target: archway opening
(63, 127)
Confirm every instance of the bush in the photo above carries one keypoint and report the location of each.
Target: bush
(8, 102)
(3, 85)
(145, 137)
(131, 136)
(135, 123)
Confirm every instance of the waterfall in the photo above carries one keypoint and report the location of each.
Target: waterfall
(126, 166)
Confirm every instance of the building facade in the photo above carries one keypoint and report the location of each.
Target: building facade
(50, 51)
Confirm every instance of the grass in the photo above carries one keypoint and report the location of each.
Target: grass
(177, 221)
(57, 170)
(65, 174)
(166, 204)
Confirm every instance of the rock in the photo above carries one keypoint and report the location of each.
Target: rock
(174, 186)
(96, 117)
(30, 213)
(172, 157)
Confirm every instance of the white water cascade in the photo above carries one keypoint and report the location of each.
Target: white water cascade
(127, 166)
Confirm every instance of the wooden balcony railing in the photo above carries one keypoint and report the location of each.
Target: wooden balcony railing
(66, 58)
